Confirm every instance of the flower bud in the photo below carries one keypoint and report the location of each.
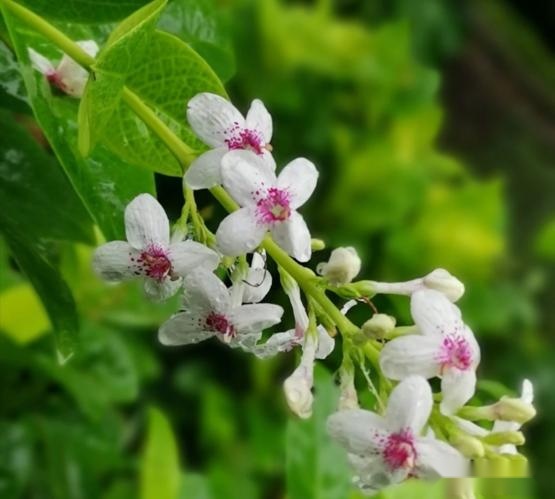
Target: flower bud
(342, 267)
(514, 409)
(378, 326)
(445, 283)
(298, 392)
(505, 437)
(317, 244)
(468, 446)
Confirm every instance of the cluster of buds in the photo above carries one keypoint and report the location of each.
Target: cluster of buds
(410, 432)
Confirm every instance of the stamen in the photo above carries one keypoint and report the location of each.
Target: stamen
(245, 138)
(455, 352)
(154, 263)
(219, 323)
(274, 207)
(399, 451)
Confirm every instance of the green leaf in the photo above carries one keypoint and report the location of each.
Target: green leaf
(121, 53)
(84, 11)
(35, 192)
(104, 182)
(195, 486)
(160, 474)
(316, 466)
(49, 285)
(169, 75)
(12, 89)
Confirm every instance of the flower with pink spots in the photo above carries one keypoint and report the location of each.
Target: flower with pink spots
(209, 310)
(221, 126)
(68, 76)
(267, 204)
(444, 347)
(387, 449)
(148, 252)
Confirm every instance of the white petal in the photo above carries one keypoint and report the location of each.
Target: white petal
(205, 171)
(211, 117)
(527, 394)
(279, 342)
(244, 174)
(249, 319)
(89, 46)
(457, 388)
(372, 473)
(410, 405)
(40, 63)
(205, 292)
(146, 222)
(259, 119)
(326, 343)
(294, 237)
(239, 233)
(257, 284)
(182, 329)
(112, 261)
(268, 159)
(471, 428)
(433, 313)
(437, 459)
(412, 354)
(188, 256)
(359, 431)
(468, 335)
(162, 290)
(72, 76)
(299, 179)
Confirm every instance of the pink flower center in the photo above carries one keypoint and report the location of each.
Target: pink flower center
(245, 138)
(154, 263)
(455, 352)
(221, 324)
(55, 80)
(399, 451)
(274, 207)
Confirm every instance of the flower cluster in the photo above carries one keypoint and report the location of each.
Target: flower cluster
(410, 432)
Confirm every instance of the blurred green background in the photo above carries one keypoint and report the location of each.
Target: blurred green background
(433, 126)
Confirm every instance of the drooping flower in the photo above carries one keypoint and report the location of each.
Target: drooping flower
(387, 450)
(342, 267)
(220, 125)
(444, 347)
(527, 397)
(68, 76)
(148, 252)
(210, 311)
(267, 204)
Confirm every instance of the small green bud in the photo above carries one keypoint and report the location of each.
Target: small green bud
(378, 326)
(468, 446)
(364, 288)
(514, 409)
(342, 267)
(317, 244)
(504, 437)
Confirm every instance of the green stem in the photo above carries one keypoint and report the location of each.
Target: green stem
(185, 155)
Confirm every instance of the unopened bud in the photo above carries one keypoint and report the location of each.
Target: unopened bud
(298, 392)
(468, 446)
(378, 326)
(505, 437)
(445, 283)
(317, 244)
(342, 267)
(514, 409)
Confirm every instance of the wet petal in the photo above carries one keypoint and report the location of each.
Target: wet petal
(360, 432)
(239, 233)
(205, 171)
(326, 343)
(434, 314)
(183, 329)
(294, 237)
(162, 290)
(413, 354)
(299, 179)
(457, 388)
(212, 117)
(187, 256)
(256, 286)
(255, 318)
(436, 459)
(244, 175)
(146, 222)
(410, 405)
(259, 119)
(112, 261)
(204, 292)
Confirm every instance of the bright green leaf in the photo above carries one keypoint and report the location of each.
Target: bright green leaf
(121, 53)
(170, 74)
(316, 466)
(160, 474)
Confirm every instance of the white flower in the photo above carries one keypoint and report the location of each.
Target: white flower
(68, 76)
(209, 310)
(445, 347)
(149, 253)
(258, 281)
(267, 203)
(342, 267)
(387, 450)
(527, 397)
(220, 125)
